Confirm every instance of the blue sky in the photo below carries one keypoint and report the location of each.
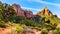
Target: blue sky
(36, 5)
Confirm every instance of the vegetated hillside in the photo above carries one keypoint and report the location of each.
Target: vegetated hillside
(48, 16)
(17, 15)
(43, 20)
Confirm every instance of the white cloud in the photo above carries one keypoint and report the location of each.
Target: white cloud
(44, 2)
(31, 8)
(35, 10)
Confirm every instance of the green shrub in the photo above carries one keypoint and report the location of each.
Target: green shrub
(2, 25)
(11, 23)
(55, 32)
(44, 31)
(19, 29)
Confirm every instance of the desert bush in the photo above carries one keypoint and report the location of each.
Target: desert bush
(19, 29)
(2, 25)
(44, 31)
(55, 32)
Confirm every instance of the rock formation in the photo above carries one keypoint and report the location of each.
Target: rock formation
(18, 10)
(21, 12)
(45, 12)
(28, 14)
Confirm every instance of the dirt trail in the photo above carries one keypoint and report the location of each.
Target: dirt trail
(7, 30)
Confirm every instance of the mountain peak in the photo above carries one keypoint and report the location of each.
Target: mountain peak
(45, 7)
(45, 12)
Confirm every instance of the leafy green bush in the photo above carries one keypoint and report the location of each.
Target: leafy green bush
(19, 29)
(55, 32)
(44, 31)
(2, 25)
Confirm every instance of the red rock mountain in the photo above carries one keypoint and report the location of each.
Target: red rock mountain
(21, 12)
(45, 12)
(28, 14)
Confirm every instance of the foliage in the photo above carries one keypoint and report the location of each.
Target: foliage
(2, 24)
(7, 14)
(55, 32)
(44, 31)
(19, 29)
(17, 19)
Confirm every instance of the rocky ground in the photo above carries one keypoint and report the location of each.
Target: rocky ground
(8, 30)
(12, 30)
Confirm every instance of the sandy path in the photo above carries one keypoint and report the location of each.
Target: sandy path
(7, 30)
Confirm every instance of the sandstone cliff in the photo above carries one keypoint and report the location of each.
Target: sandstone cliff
(45, 12)
(21, 12)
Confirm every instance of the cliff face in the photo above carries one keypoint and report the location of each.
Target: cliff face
(28, 14)
(21, 12)
(45, 12)
(18, 10)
